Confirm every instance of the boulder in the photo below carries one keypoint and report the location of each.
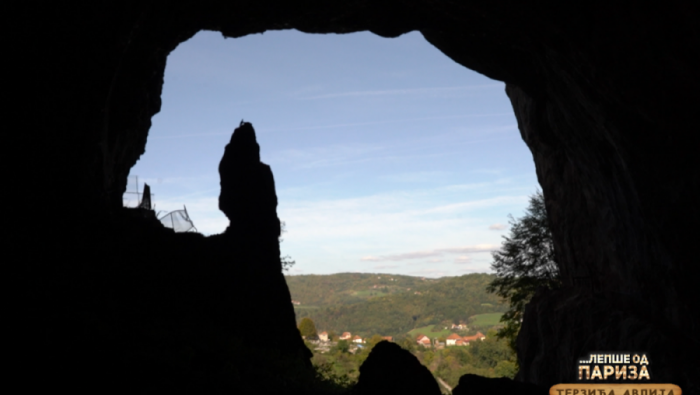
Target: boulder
(389, 369)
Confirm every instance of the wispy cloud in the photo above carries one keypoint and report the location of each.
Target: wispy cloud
(414, 91)
(380, 267)
(432, 253)
(487, 171)
(497, 227)
(228, 131)
(389, 121)
(419, 176)
(489, 202)
(463, 259)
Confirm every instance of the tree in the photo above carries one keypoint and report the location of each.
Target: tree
(343, 346)
(286, 260)
(524, 263)
(374, 340)
(332, 335)
(506, 369)
(406, 342)
(307, 328)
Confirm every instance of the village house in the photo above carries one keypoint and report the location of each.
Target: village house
(345, 336)
(388, 338)
(357, 339)
(478, 336)
(295, 302)
(452, 339)
(459, 326)
(323, 336)
(423, 340)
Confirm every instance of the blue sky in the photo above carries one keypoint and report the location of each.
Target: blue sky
(388, 157)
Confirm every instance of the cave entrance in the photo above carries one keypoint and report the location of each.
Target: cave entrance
(387, 155)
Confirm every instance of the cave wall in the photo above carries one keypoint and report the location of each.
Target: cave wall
(605, 97)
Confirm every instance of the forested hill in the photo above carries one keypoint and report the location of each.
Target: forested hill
(344, 288)
(391, 305)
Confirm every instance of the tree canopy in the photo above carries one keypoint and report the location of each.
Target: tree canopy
(525, 262)
(307, 328)
(399, 309)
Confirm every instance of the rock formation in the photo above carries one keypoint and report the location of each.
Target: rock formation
(389, 369)
(249, 200)
(248, 195)
(605, 96)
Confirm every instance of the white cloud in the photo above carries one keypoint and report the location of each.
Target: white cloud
(406, 256)
(324, 156)
(474, 204)
(463, 259)
(497, 227)
(433, 253)
(473, 249)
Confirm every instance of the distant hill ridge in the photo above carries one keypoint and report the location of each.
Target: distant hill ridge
(390, 304)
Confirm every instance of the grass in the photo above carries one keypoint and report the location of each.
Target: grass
(427, 330)
(490, 319)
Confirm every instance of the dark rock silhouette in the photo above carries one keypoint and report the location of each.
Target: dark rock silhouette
(389, 369)
(248, 195)
(472, 384)
(605, 97)
(249, 200)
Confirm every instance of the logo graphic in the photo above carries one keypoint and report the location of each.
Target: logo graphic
(614, 373)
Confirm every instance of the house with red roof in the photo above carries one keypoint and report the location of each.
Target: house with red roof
(452, 339)
(345, 336)
(357, 339)
(478, 336)
(423, 340)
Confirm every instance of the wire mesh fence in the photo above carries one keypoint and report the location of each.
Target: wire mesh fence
(178, 220)
(141, 197)
(132, 195)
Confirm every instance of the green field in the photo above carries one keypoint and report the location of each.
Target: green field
(427, 330)
(490, 319)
